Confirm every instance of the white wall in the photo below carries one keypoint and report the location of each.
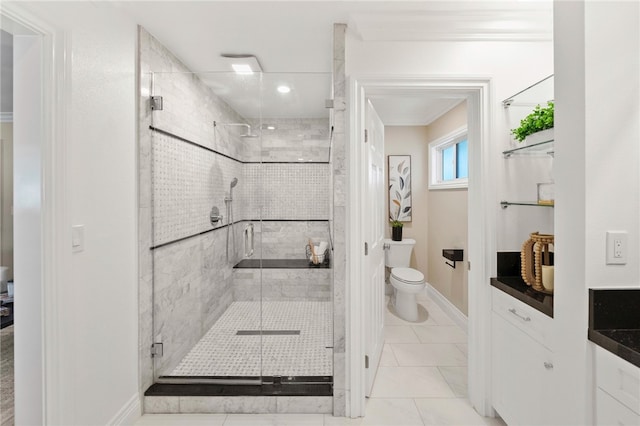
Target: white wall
(597, 46)
(511, 66)
(95, 338)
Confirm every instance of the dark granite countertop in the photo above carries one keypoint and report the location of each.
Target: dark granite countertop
(280, 264)
(614, 321)
(516, 287)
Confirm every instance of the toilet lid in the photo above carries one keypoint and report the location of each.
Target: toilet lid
(407, 275)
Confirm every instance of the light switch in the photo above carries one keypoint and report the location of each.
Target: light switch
(77, 238)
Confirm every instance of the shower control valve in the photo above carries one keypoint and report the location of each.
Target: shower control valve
(215, 216)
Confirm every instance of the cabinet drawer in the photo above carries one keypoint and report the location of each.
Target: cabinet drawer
(611, 412)
(534, 323)
(522, 375)
(618, 378)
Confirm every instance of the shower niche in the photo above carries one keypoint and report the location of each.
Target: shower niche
(235, 181)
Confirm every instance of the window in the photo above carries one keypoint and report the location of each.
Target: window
(449, 161)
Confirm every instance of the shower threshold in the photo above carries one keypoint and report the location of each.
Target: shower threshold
(242, 386)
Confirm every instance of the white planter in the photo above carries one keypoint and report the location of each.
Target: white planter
(538, 137)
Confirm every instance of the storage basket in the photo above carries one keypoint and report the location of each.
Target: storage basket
(320, 259)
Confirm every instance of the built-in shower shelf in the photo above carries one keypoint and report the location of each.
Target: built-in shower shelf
(279, 264)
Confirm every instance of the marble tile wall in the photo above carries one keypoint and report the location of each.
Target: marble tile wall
(237, 404)
(187, 182)
(287, 240)
(304, 140)
(282, 284)
(339, 173)
(287, 191)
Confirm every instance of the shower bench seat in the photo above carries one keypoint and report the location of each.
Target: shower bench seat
(281, 280)
(279, 264)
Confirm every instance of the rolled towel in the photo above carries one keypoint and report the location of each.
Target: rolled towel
(322, 247)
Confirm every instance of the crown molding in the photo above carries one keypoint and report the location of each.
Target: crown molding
(505, 24)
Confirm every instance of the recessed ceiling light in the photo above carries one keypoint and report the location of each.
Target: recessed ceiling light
(242, 69)
(284, 89)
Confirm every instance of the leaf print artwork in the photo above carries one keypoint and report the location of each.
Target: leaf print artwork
(399, 168)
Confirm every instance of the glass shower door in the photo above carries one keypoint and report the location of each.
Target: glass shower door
(200, 203)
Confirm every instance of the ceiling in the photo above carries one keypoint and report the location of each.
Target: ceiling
(294, 38)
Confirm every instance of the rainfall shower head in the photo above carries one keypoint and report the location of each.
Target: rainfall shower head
(244, 135)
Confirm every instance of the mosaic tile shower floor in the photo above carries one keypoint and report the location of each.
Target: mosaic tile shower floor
(221, 352)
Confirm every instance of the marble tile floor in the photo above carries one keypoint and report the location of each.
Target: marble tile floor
(221, 352)
(421, 380)
(6, 377)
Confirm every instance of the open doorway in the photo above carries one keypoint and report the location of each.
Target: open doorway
(6, 231)
(23, 67)
(471, 95)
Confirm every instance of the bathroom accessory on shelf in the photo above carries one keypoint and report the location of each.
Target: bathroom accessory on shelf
(535, 253)
(318, 254)
(454, 255)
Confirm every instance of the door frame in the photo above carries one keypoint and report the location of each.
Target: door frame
(482, 226)
(42, 401)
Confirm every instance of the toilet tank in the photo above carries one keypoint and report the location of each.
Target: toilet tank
(398, 255)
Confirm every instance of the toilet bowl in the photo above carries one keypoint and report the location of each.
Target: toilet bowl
(407, 283)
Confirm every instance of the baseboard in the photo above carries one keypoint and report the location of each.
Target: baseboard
(449, 308)
(129, 413)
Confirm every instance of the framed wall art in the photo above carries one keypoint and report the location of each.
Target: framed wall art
(399, 187)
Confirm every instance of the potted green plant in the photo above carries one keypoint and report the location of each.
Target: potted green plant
(396, 230)
(540, 119)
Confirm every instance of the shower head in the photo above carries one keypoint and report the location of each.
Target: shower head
(233, 183)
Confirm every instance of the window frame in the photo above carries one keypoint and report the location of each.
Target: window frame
(436, 148)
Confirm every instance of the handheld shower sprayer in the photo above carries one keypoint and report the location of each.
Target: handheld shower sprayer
(233, 183)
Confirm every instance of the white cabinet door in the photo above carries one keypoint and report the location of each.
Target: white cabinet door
(522, 375)
(610, 412)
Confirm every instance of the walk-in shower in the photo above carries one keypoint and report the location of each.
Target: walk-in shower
(247, 307)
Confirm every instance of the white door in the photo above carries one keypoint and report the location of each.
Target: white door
(373, 223)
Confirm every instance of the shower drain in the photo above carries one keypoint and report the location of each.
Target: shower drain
(267, 332)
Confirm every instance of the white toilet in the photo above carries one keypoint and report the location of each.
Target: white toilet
(407, 281)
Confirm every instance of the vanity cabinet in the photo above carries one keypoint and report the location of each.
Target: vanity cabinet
(522, 361)
(617, 390)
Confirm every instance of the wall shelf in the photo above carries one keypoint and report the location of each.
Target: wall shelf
(454, 255)
(506, 204)
(545, 147)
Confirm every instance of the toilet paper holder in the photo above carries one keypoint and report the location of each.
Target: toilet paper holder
(454, 255)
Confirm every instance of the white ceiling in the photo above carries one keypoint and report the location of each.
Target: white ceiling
(295, 37)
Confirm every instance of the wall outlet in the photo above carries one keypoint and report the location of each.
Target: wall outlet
(616, 247)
